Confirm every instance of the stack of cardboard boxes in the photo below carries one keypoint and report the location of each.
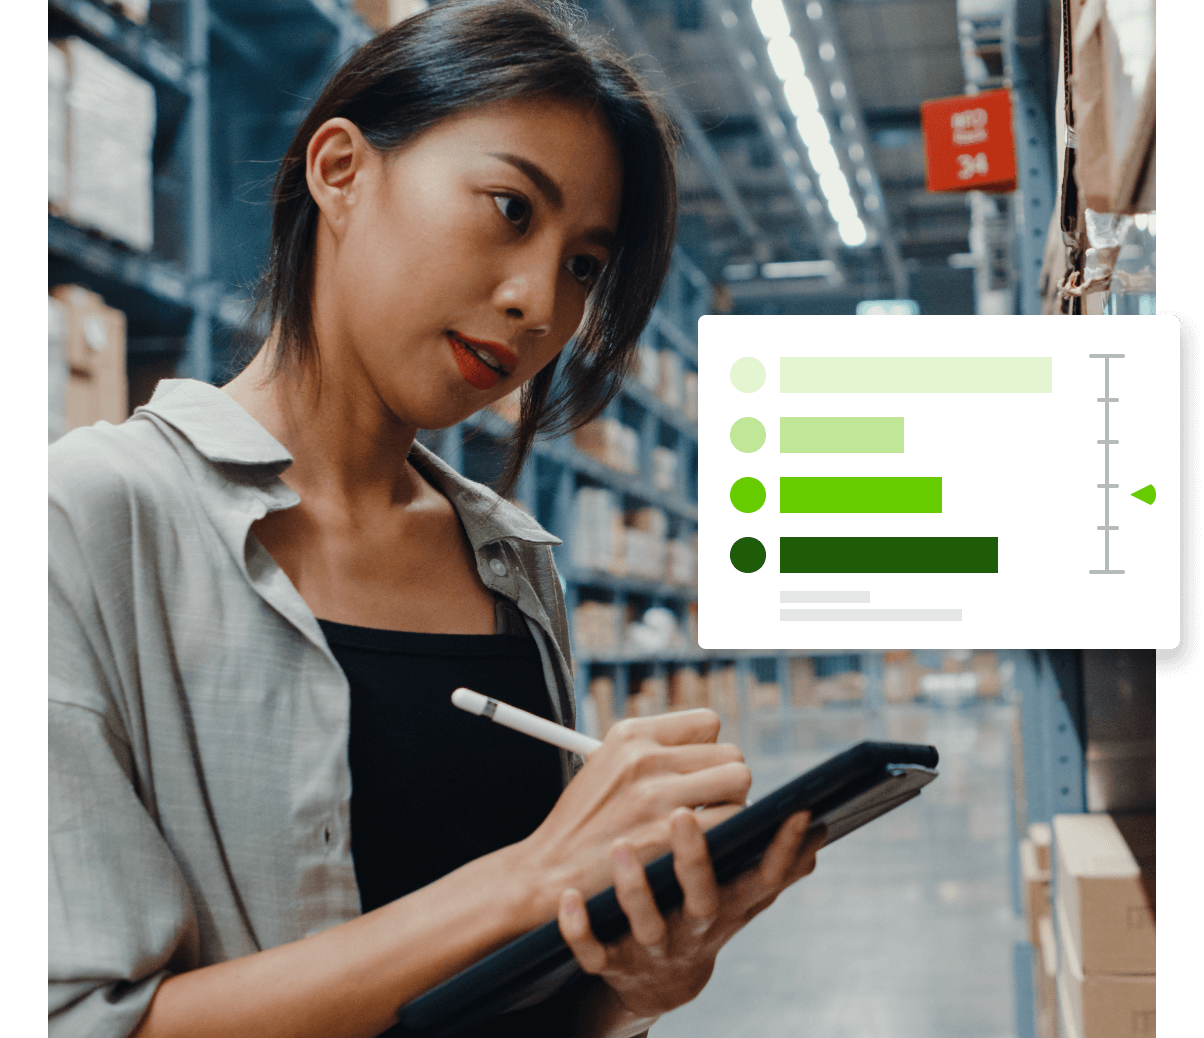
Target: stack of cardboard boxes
(596, 627)
(1038, 912)
(1104, 915)
(86, 346)
(609, 441)
(634, 543)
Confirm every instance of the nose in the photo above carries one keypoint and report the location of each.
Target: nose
(527, 292)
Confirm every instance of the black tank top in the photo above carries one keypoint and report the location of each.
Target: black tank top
(433, 787)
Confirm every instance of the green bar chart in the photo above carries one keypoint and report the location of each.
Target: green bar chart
(890, 554)
(860, 493)
(867, 435)
(917, 374)
(937, 487)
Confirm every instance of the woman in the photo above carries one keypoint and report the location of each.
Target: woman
(472, 189)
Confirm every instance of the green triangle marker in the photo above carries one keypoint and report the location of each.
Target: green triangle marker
(1146, 494)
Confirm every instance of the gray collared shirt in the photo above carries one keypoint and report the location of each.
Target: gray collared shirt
(199, 784)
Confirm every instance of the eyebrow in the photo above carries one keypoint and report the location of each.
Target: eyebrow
(549, 189)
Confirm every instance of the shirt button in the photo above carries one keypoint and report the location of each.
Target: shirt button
(498, 567)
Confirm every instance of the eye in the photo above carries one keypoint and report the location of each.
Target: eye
(584, 268)
(513, 209)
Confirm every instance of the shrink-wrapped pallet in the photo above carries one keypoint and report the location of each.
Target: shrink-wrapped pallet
(110, 134)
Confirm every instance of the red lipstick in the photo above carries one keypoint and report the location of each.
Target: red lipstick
(476, 371)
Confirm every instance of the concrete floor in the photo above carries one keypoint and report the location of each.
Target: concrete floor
(905, 928)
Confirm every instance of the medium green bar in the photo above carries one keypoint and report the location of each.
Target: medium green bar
(889, 554)
(841, 436)
(860, 494)
(917, 375)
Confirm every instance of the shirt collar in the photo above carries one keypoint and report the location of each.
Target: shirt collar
(222, 432)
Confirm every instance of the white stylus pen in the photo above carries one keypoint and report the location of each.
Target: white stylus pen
(521, 721)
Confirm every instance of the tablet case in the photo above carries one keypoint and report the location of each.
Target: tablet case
(844, 793)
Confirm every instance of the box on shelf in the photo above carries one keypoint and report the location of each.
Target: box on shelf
(1041, 836)
(56, 190)
(691, 619)
(681, 561)
(598, 541)
(1045, 980)
(764, 696)
(669, 388)
(644, 537)
(596, 627)
(985, 666)
(1101, 1005)
(664, 469)
(722, 693)
(380, 14)
(687, 690)
(689, 386)
(649, 698)
(94, 347)
(610, 442)
(846, 687)
(802, 682)
(110, 134)
(602, 693)
(1034, 890)
(1106, 887)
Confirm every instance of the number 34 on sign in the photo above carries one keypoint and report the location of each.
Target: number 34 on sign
(952, 123)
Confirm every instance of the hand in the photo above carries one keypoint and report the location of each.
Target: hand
(664, 963)
(630, 785)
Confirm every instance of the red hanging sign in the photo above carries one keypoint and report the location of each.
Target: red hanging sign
(968, 143)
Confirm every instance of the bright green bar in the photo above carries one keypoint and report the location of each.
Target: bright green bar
(841, 436)
(917, 375)
(860, 494)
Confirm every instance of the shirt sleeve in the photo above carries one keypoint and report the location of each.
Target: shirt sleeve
(120, 916)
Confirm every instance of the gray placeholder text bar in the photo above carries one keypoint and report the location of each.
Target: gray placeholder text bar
(871, 614)
(825, 596)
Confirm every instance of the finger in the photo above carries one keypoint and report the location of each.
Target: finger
(635, 898)
(783, 851)
(577, 934)
(709, 817)
(723, 784)
(675, 729)
(694, 871)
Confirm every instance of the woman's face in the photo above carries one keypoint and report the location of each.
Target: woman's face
(463, 262)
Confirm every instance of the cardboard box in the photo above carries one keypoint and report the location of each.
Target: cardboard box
(985, 666)
(687, 691)
(596, 627)
(1034, 889)
(664, 469)
(94, 346)
(1041, 836)
(1106, 883)
(764, 696)
(610, 442)
(1045, 980)
(843, 688)
(1101, 1005)
(802, 682)
(650, 697)
(669, 389)
(602, 692)
(689, 404)
(380, 14)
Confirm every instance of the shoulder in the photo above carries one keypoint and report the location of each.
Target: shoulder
(107, 473)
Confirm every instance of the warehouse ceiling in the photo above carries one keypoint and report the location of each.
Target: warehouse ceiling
(754, 200)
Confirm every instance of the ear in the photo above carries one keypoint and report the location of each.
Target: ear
(336, 169)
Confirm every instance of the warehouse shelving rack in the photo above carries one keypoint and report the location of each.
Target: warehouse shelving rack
(233, 80)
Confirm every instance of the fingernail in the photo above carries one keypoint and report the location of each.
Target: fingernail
(623, 857)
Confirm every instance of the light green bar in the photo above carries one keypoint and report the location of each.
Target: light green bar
(841, 436)
(917, 375)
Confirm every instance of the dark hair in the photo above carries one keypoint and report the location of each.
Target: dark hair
(461, 54)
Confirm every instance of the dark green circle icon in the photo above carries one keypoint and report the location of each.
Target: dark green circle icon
(748, 555)
(748, 494)
(747, 435)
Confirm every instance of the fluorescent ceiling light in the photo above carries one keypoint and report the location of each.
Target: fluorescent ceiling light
(852, 232)
(799, 269)
(864, 177)
(827, 51)
(813, 128)
(802, 182)
(814, 11)
(872, 203)
(963, 260)
(838, 90)
(729, 19)
(856, 152)
(790, 157)
(784, 56)
(800, 96)
(771, 17)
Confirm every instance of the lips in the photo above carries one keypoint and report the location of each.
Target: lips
(483, 364)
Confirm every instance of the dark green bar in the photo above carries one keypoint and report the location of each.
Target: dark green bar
(860, 494)
(889, 554)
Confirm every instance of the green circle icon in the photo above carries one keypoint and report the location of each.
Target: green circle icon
(748, 555)
(748, 374)
(748, 435)
(748, 494)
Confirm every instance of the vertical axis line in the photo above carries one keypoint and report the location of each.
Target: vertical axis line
(1107, 400)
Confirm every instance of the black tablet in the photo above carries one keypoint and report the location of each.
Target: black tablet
(843, 793)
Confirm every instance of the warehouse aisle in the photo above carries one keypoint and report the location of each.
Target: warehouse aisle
(905, 928)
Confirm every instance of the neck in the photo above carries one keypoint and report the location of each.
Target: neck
(347, 446)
